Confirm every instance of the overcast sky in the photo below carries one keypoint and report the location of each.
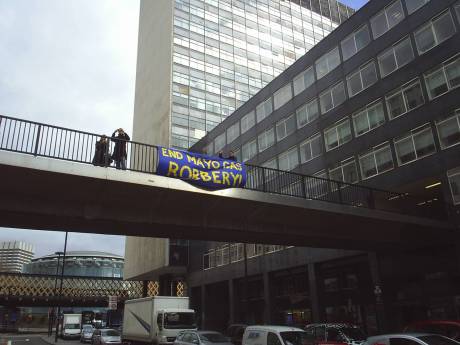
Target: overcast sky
(71, 63)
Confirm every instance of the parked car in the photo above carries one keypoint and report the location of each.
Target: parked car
(235, 333)
(106, 337)
(335, 333)
(275, 335)
(410, 339)
(447, 328)
(201, 337)
(86, 333)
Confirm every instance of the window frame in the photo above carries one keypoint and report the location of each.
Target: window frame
(264, 134)
(393, 51)
(283, 122)
(308, 142)
(366, 109)
(327, 57)
(442, 66)
(401, 90)
(353, 36)
(411, 134)
(287, 153)
(373, 151)
(441, 121)
(415, 9)
(451, 173)
(430, 24)
(384, 10)
(301, 76)
(359, 71)
(329, 90)
(306, 107)
(335, 127)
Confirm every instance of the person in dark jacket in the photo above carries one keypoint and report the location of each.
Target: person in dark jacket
(232, 156)
(101, 154)
(119, 151)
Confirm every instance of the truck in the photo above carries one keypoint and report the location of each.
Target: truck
(156, 320)
(70, 326)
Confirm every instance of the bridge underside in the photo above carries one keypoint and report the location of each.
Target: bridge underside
(28, 301)
(40, 193)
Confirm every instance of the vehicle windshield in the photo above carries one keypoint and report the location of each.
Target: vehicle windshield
(214, 338)
(437, 340)
(296, 338)
(179, 320)
(110, 333)
(72, 326)
(354, 333)
(87, 328)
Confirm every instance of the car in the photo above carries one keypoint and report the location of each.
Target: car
(235, 333)
(336, 333)
(275, 335)
(201, 337)
(410, 339)
(86, 333)
(448, 328)
(105, 337)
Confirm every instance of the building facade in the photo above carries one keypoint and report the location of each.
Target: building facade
(78, 263)
(14, 254)
(198, 61)
(375, 103)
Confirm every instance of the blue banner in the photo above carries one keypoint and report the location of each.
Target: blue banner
(201, 170)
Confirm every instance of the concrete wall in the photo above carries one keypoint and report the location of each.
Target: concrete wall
(152, 110)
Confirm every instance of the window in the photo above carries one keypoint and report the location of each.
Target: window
(407, 98)
(311, 148)
(233, 132)
(457, 9)
(247, 122)
(435, 32)
(355, 42)
(414, 5)
(272, 339)
(288, 160)
(395, 57)
(219, 142)
(376, 161)
(337, 135)
(345, 171)
(266, 139)
(264, 109)
(304, 80)
(368, 118)
(449, 131)
(285, 127)
(332, 97)
(387, 19)
(361, 79)
(443, 79)
(307, 113)
(282, 96)
(327, 62)
(454, 182)
(417, 144)
(249, 150)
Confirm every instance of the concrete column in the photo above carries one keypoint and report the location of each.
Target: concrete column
(315, 310)
(203, 306)
(267, 299)
(379, 292)
(231, 302)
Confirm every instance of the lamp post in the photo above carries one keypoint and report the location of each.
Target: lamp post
(60, 287)
(53, 315)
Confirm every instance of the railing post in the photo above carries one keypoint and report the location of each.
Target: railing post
(304, 188)
(264, 187)
(371, 201)
(37, 141)
(339, 189)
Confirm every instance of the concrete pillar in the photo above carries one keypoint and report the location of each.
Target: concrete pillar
(231, 302)
(379, 292)
(203, 307)
(313, 287)
(267, 299)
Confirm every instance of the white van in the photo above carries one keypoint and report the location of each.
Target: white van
(275, 335)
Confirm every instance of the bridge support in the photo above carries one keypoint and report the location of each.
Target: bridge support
(313, 287)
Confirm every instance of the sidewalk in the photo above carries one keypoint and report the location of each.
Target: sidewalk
(50, 340)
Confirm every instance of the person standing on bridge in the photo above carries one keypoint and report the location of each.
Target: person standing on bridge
(101, 154)
(119, 154)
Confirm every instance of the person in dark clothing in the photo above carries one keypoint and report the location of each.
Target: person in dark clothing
(101, 154)
(232, 156)
(221, 154)
(119, 151)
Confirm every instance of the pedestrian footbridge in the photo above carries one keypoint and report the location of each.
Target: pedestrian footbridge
(50, 183)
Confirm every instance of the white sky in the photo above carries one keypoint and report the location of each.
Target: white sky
(69, 63)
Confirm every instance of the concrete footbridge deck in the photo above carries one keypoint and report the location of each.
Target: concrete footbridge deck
(42, 189)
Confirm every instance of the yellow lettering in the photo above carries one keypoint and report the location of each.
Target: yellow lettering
(195, 174)
(215, 177)
(215, 164)
(205, 176)
(172, 169)
(237, 179)
(207, 162)
(174, 154)
(164, 151)
(225, 179)
(191, 159)
(183, 169)
(238, 166)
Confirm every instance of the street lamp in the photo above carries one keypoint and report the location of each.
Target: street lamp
(60, 287)
(52, 315)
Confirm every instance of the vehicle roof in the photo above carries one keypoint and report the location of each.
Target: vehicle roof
(274, 328)
(333, 325)
(207, 332)
(176, 310)
(401, 335)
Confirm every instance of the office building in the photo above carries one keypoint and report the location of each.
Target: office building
(198, 61)
(376, 103)
(14, 254)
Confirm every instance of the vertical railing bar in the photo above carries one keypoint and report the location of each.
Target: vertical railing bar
(73, 145)
(8, 135)
(19, 134)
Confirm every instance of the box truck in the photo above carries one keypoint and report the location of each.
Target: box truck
(70, 326)
(156, 320)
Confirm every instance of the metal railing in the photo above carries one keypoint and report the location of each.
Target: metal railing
(44, 140)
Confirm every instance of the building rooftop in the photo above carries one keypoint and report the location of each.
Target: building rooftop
(82, 254)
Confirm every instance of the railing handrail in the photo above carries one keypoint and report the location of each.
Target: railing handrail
(44, 275)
